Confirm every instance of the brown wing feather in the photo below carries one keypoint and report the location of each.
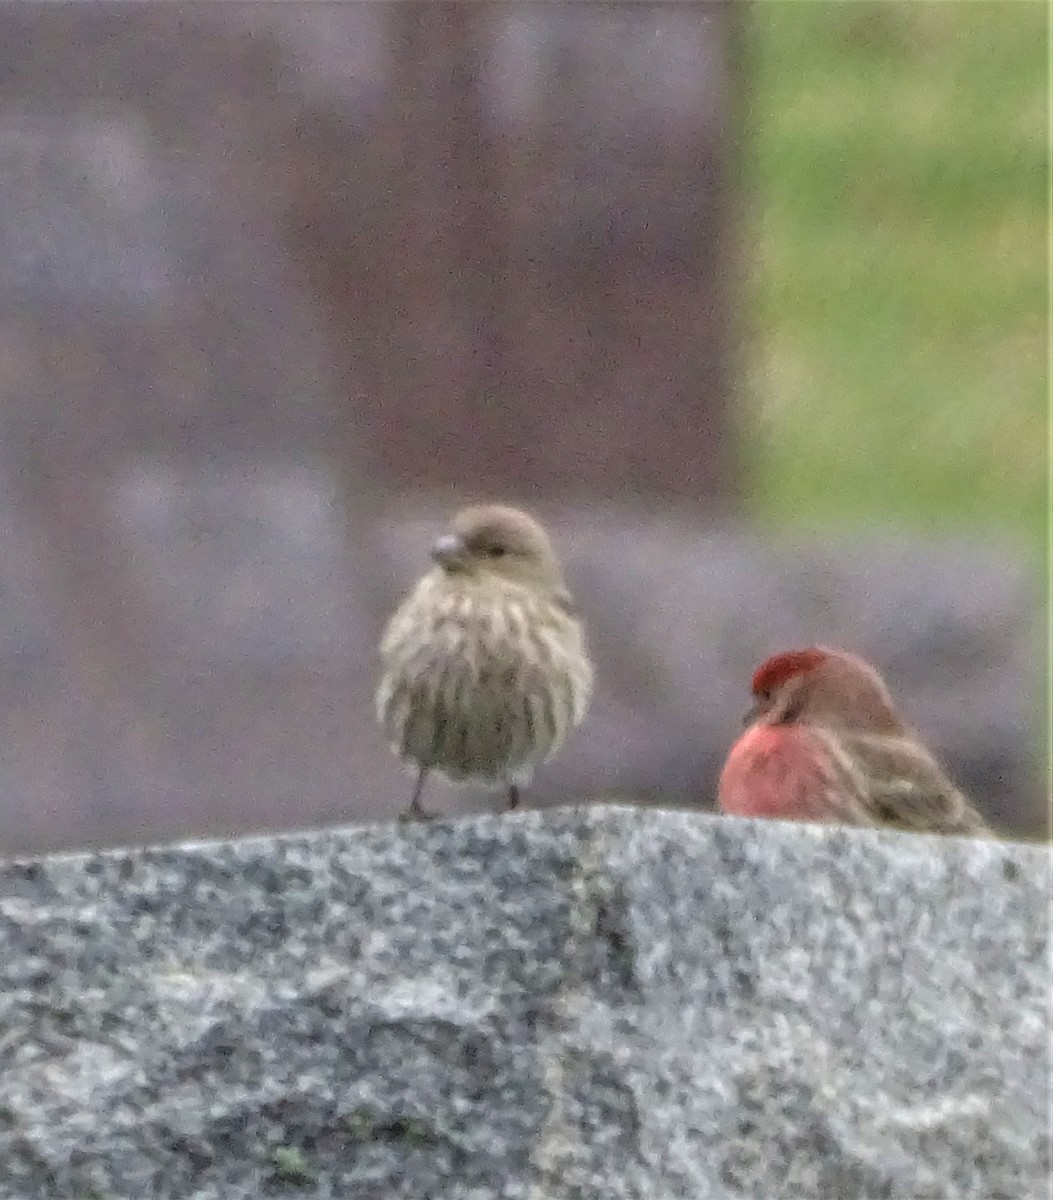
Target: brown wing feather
(904, 786)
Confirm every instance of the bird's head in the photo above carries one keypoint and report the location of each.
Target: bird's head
(824, 686)
(495, 540)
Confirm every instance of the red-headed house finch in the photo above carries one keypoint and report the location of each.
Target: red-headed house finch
(825, 743)
(484, 665)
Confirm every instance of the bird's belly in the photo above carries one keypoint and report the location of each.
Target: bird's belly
(470, 707)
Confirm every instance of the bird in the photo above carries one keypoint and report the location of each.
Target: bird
(825, 742)
(484, 665)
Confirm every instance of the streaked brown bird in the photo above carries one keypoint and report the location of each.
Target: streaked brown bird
(825, 743)
(484, 668)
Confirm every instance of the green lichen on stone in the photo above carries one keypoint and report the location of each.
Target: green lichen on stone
(290, 1165)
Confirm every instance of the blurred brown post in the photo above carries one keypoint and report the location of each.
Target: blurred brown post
(556, 276)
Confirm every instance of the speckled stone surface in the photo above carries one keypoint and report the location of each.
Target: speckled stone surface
(595, 1003)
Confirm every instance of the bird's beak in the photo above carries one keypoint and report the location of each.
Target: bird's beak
(448, 551)
(751, 714)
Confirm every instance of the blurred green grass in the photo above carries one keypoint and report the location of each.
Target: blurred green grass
(898, 252)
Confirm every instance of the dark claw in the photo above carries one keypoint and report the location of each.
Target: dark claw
(415, 814)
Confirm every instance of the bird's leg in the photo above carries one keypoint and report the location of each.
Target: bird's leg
(514, 797)
(416, 811)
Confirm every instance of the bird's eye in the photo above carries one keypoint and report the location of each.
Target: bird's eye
(495, 551)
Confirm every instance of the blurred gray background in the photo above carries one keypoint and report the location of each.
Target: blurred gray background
(282, 285)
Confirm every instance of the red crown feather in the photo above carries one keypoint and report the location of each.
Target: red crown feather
(780, 667)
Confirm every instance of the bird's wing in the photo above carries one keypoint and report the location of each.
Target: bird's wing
(904, 786)
(845, 787)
